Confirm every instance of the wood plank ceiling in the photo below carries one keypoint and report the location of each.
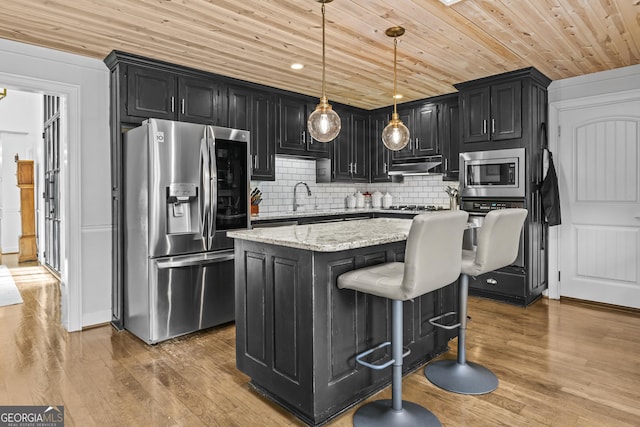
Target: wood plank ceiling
(257, 40)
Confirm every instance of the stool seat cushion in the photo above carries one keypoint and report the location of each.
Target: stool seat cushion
(383, 280)
(432, 260)
(498, 242)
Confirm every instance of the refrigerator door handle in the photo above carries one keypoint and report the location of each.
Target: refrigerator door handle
(194, 260)
(205, 197)
(213, 185)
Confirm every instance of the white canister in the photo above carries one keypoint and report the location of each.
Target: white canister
(387, 200)
(376, 200)
(351, 201)
(359, 200)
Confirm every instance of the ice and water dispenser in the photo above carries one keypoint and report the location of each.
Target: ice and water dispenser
(182, 208)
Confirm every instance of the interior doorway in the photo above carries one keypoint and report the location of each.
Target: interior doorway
(31, 128)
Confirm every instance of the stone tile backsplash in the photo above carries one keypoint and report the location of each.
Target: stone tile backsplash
(277, 196)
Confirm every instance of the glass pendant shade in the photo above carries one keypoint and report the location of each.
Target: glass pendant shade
(324, 123)
(395, 135)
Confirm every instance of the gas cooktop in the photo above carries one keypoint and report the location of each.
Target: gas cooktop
(416, 208)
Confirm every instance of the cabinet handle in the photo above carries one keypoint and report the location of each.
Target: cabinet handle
(303, 138)
(384, 167)
(173, 104)
(417, 141)
(492, 282)
(484, 126)
(350, 167)
(446, 164)
(355, 168)
(493, 126)
(182, 106)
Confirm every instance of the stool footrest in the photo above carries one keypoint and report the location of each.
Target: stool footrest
(381, 365)
(434, 322)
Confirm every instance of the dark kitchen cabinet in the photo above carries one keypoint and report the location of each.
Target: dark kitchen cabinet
(380, 155)
(492, 113)
(156, 93)
(350, 160)
(255, 111)
(449, 136)
(293, 138)
(422, 121)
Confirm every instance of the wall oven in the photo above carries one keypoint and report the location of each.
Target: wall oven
(493, 173)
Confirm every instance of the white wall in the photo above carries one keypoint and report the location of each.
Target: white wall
(84, 85)
(20, 132)
(277, 196)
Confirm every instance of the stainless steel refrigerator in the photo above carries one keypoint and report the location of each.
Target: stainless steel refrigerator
(185, 185)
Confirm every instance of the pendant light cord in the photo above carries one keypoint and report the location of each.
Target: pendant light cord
(323, 53)
(395, 84)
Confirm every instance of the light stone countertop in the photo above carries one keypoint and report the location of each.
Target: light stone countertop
(332, 236)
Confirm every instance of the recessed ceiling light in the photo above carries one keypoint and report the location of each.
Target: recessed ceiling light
(397, 96)
(449, 2)
(297, 66)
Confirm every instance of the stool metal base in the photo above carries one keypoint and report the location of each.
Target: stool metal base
(381, 414)
(467, 378)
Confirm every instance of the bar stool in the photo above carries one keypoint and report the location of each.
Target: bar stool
(498, 240)
(432, 261)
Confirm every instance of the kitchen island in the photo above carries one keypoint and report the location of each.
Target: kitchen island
(297, 334)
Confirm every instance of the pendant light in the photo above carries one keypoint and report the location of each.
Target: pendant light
(324, 123)
(395, 135)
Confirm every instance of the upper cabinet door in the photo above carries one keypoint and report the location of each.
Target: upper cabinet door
(263, 137)
(506, 111)
(426, 138)
(475, 114)
(380, 155)
(449, 136)
(199, 101)
(151, 93)
(255, 111)
(342, 161)
(360, 147)
(292, 135)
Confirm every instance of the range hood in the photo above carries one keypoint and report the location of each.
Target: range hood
(424, 166)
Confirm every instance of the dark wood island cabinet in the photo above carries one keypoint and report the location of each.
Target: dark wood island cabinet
(297, 334)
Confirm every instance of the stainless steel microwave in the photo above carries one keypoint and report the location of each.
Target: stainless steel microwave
(493, 173)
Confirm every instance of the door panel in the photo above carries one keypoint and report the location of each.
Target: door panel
(599, 241)
(426, 137)
(506, 111)
(150, 93)
(199, 101)
(52, 218)
(174, 159)
(475, 115)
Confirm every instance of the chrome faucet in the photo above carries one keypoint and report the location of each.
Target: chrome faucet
(295, 189)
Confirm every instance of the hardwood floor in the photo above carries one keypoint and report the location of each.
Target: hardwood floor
(560, 363)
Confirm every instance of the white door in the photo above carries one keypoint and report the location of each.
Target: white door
(599, 239)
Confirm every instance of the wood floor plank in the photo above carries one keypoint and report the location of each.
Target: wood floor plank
(560, 363)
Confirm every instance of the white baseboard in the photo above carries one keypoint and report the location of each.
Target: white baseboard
(96, 318)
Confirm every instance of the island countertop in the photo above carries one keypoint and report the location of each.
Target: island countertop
(331, 237)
